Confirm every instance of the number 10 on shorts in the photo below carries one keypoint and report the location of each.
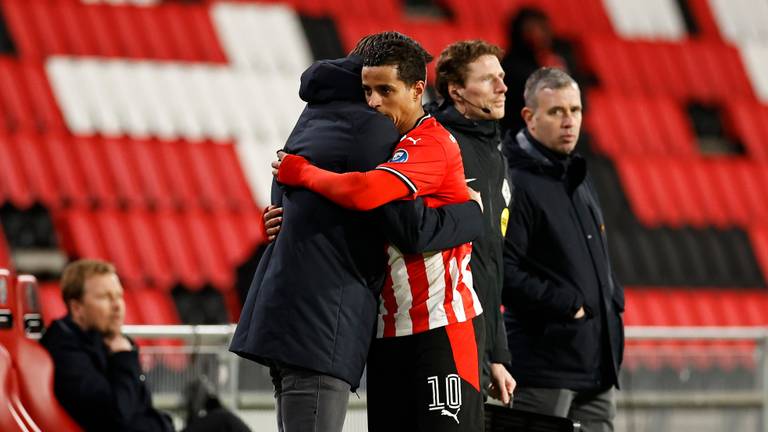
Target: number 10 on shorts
(452, 392)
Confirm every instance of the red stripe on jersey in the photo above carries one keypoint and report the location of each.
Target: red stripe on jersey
(390, 304)
(450, 314)
(417, 279)
(466, 295)
(464, 346)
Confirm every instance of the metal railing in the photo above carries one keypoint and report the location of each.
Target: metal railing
(210, 343)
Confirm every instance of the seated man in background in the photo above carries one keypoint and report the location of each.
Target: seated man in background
(97, 375)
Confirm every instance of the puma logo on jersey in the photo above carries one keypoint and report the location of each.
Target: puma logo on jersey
(415, 140)
(455, 415)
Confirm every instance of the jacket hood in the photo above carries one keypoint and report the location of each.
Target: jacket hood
(333, 80)
(483, 130)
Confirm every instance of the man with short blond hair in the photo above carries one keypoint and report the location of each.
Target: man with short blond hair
(97, 375)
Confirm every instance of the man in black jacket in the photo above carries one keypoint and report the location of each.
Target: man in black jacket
(311, 311)
(563, 304)
(97, 375)
(471, 82)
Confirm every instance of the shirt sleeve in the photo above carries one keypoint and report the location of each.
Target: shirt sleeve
(420, 162)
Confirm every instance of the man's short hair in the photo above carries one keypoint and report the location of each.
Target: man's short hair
(392, 48)
(74, 276)
(453, 63)
(546, 77)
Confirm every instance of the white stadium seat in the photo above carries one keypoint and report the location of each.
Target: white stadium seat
(651, 19)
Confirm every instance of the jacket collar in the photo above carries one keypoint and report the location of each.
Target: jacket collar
(571, 169)
(483, 130)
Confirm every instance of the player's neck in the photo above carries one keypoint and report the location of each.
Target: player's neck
(410, 122)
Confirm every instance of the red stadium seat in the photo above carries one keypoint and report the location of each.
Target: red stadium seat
(21, 29)
(90, 157)
(203, 172)
(33, 365)
(176, 173)
(120, 247)
(174, 237)
(16, 104)
(78, 41)
(151, 254)
(70, 182)
(36, 168)
(122, 167)
(207, 248)
(12, 412)
(13, 183)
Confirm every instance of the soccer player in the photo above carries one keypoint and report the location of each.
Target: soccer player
(423, 367)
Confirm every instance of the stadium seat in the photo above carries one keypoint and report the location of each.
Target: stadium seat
(14, 187)
(151, 254)
(174, 237)
(657, 19)
(90, 156)
(35, 168)
(740, 20)
(33, 365)
(70, 183)
(120, 246)
(121, 167)
(11, 419)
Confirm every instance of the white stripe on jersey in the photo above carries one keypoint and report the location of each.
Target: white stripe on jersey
(436, 276)
(457, 301)
(403, 298)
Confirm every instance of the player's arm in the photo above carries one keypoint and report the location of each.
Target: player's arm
(354, 190)
(415, 228)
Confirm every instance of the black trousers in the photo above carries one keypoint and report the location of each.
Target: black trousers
(427, 382)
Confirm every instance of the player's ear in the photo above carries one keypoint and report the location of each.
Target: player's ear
(418, 89)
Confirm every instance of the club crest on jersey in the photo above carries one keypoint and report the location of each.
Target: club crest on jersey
(399, 156)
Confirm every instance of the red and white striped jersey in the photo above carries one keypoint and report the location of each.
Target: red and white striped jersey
(430, 290)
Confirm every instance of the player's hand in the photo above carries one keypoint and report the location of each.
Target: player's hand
(502, 383)
(475, 196)
(288, 168)
(273, 218)
(117, 343)
(580, 313)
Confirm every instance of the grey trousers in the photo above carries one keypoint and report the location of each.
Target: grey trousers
(595, 410)
(307, 401)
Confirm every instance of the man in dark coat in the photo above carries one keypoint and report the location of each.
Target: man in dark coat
(311, 310)
(563, 304)
(471, 82)
(97, 376)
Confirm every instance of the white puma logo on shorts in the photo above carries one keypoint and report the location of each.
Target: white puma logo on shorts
(455, 415)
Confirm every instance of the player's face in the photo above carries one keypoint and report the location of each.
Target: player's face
(102, 307)
(387, 94)
(556, 121)
(483, 88)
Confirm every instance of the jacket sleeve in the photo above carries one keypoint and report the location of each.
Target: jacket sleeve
(415, 228)
(498, 352)
(113, 397)
(524, 290)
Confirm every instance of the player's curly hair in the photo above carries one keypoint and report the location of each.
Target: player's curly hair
(393, 48)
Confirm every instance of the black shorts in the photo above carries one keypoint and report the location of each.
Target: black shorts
(427, 382)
